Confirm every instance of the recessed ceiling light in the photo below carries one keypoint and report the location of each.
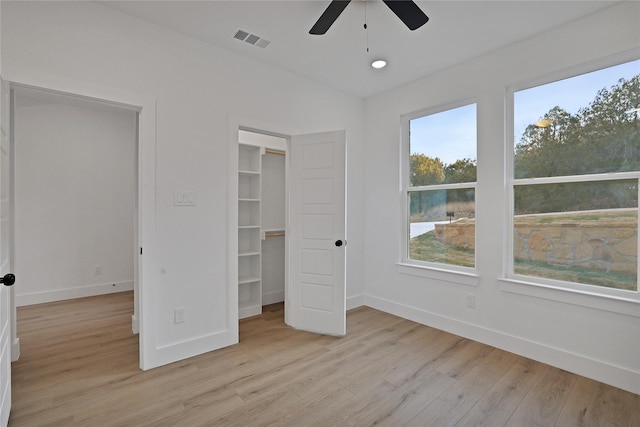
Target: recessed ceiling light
(379, 63)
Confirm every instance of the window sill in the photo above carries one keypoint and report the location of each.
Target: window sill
(615, 304)
(452, 276)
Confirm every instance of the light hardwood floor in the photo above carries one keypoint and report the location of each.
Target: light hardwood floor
(79, 367)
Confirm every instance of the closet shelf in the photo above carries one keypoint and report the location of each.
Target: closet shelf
(254, 253)
(249, 220)
(243, 280)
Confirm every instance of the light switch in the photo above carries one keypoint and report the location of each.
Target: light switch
(184, 198)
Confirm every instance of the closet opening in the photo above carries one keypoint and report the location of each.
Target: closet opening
(262, 225)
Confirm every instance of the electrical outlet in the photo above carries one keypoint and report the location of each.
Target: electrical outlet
(178, 315)
(97, 270)
(470, 301)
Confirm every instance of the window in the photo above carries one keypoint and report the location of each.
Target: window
(576, 166)
(439, 187)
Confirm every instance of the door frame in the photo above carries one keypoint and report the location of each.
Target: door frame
(142, 321)
(286, 148)
(237, 123)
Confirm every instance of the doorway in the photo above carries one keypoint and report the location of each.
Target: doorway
(262, 201)
(75, 196)
(314, 231)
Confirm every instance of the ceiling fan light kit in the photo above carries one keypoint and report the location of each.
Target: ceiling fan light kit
(408, 12)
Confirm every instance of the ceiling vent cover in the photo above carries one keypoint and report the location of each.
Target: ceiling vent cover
(241, 35)
(251, 39)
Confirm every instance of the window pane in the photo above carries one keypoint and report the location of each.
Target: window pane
(583, 125)
(578, 232)
(442, 147)
(442, 226)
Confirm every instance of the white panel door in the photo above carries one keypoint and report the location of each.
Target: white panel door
(5, 306)
(317, 230)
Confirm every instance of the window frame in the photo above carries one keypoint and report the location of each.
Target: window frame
(441, 271)
(594, 296)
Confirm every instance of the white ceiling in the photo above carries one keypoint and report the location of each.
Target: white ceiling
(456, 31)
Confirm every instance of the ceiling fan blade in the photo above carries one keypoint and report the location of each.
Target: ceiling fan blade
(329, 16)
(408, 12)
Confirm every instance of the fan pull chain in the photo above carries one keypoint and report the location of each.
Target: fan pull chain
(365, 24)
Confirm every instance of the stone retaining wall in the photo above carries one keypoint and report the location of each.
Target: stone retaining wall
(589, 246)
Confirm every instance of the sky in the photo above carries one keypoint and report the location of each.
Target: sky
(530, 105)
(451, 135)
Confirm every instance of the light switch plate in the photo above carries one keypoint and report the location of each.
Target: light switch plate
(184, 198)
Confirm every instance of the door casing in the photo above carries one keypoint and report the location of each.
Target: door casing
(242, 123)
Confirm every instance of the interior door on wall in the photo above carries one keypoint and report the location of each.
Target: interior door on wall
(317, 229)
(5, 305)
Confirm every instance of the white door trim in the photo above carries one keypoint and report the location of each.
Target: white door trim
(236, 123)
(144, 311)
(264, 127)
(6, 308)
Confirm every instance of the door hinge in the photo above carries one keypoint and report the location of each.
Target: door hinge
(140, 250)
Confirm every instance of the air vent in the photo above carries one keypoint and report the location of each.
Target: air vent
(241, 35)
(262, 43)
(251, 39)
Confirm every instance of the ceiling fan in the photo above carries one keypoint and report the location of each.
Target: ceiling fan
(406, 10)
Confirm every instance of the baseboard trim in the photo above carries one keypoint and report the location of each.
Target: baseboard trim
(15, 349)
(135, 325)
(355, 301)
(71, 293)
(183, 350)
(272, 297)
(597, 370)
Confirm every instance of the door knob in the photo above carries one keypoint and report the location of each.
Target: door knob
(8, 279)
(340, 243)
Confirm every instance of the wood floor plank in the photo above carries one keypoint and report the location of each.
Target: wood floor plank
(595, 404)
(79, 367)
(413, 397)
(424, 358)
(544, 402)
(453, 404)
(325, 400)
(497, 405)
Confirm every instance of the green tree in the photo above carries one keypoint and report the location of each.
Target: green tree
(602, 137)
(425, 170)
(464, 170)
(545, 150)
(611, 127)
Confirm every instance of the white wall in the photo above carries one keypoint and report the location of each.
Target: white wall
(75, 184)
(198, 90)
(601, 343)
